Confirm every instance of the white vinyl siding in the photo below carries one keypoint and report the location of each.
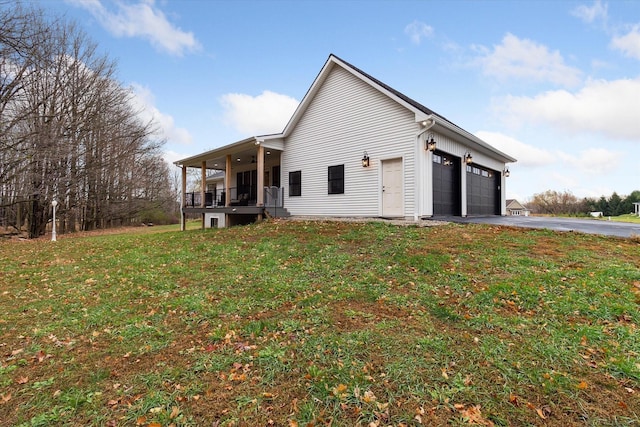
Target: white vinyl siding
(345, 118)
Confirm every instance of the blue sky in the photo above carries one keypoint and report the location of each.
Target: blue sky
(555, 84)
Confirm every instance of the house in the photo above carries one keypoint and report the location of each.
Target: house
(354, 147)
(516, 208)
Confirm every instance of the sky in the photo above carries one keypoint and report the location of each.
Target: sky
(555, 84)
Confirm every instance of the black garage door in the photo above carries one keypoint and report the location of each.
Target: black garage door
(483, 191)
(446, 184)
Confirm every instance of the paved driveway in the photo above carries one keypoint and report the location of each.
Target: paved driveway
(592, 226)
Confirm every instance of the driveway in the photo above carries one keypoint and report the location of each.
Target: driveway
(591, 226)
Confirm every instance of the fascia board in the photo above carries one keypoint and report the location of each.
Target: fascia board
(474, 140)
(196, 161)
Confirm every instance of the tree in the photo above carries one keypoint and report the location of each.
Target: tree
(69, 131)
(615, 205)
(555, 203)
(627, 204)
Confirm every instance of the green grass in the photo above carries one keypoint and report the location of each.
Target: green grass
(321, 323)
(624, 218)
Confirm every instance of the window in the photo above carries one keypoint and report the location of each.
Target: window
(295, 183)
(336, 179)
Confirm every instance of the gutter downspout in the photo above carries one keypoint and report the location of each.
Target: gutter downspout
(427, 124)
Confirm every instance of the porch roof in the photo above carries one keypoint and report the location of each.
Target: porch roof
(242, 152)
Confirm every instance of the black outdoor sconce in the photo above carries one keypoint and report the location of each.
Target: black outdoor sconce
(365, 160)
(468, 158)
(506, 173)
(430, 143)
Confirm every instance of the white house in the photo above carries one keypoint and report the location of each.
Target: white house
(354, 147)
(515, 208)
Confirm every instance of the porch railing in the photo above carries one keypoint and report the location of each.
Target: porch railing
(273, 197)
(239, 197)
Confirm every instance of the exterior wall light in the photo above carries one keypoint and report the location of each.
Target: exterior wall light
(468, 158)
(506, 172)
(430, 143)
(365, 160)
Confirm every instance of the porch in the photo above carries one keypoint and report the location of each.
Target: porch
(238, 183)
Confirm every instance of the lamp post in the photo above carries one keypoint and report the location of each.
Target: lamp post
(53, 229)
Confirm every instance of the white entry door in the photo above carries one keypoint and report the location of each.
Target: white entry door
(392, 197)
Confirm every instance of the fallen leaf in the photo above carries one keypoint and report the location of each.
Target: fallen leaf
(369, 397)
(154, 424)
(23, 380)
(175, 411)
(141, 420)
(5, 397)
(540, 413)
(473, 415)
(583, 385)
(444, 374)
(339, 389)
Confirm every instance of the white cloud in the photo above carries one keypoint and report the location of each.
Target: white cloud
(527, 155)
(171, 156)
(594, 161)
(607, 107)
(144, 101)
(417, 31)
(629, 44)
(266, 113)
(142, 19)
(524, 59)
(591, 14)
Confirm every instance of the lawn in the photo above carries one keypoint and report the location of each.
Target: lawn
(623, 218)
(321, 323)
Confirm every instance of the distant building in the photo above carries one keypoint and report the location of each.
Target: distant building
(516, 208)
(636, 208)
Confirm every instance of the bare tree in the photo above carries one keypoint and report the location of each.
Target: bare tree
(69, 131)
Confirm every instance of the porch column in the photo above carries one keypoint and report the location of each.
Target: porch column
(260, 184)
(203, 188)
(183, 197)
(227, 181)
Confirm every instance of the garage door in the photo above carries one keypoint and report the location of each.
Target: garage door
(446, 184)
(483, 191)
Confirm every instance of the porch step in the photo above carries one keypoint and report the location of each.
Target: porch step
(274, 212)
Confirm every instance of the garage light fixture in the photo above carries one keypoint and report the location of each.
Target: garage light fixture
(468, 158)
(365, 160)
(430, 143)
(506, 172)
